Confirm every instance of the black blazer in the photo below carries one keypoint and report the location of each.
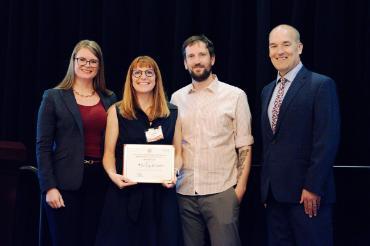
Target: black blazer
(302, 151)
(60, 140)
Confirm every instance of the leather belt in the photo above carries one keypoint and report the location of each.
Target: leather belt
(91, 162)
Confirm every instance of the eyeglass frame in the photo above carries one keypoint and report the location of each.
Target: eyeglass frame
(87, 61)
(141, 73)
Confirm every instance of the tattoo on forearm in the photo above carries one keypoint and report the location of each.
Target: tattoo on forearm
(242, 156)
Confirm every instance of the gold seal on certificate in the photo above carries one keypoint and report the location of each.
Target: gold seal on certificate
(148, 163)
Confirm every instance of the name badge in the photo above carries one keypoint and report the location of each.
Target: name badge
(154, 134)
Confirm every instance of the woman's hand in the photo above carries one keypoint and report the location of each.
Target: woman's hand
(120, 180)
(54, 198)
(170, 184)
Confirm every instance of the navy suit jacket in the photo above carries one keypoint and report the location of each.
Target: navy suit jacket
(302, 151)
(60, 139)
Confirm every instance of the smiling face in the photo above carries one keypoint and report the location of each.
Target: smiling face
(198, 61)
(86, 64)
(143, 79)
(284, 48)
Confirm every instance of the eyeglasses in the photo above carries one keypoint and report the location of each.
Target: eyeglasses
(138, 73)
(82, 61)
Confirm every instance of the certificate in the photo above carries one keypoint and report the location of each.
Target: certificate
(148, 163)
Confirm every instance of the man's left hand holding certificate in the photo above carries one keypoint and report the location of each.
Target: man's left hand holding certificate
(147, 163)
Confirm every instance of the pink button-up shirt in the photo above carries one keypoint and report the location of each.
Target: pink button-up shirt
(215, 122)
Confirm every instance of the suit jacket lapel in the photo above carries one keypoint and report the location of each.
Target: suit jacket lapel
(105, 100)
(71, 104)
(297, 84)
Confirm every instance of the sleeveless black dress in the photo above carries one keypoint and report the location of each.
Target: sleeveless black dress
(142, 214)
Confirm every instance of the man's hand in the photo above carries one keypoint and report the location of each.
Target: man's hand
(311, 203)
(239, 191)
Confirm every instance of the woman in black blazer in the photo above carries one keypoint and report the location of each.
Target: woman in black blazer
(69, 146)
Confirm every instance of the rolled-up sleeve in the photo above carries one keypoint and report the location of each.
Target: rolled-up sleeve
(242, 124)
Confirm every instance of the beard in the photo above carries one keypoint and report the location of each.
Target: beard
(201, 77)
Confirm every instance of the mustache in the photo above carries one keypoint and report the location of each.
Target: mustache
(198, 66)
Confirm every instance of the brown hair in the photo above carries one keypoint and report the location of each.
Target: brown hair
(129, 101)
(99, 79)
(198, 38)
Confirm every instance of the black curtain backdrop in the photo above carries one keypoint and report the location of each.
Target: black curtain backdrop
(37, 38)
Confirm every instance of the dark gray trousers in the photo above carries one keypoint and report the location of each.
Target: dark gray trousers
(219, 212)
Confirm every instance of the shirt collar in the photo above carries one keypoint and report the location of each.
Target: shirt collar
(290, 76)
(211, 87)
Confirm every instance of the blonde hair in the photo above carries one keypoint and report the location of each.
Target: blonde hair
(129, 102)
(99, 79)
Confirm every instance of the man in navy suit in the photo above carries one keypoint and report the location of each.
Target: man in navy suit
(300, 132)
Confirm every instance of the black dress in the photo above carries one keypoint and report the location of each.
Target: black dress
(142, 214)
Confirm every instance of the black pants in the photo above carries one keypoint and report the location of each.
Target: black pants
(77, 223)
(288, 225)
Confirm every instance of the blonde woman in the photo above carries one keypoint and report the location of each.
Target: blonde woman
(69, 146)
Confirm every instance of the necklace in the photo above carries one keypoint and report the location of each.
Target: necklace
(83, 95)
